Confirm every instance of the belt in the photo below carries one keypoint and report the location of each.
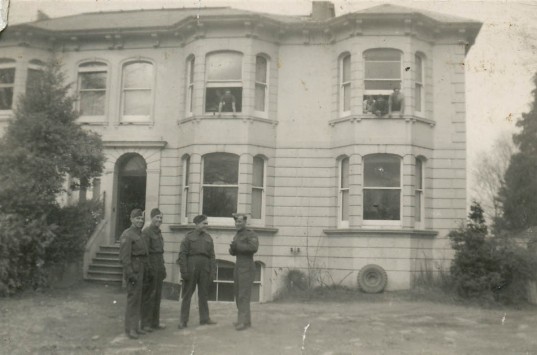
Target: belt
(139, 256)
(156, 252)
(205, 256)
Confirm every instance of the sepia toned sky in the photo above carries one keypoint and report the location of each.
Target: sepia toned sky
(499, 67)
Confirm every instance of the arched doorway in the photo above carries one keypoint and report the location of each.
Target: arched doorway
(131, 187)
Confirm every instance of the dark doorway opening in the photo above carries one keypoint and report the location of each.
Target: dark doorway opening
(132, 180)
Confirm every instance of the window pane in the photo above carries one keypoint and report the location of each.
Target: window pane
(95, 65)
(213, 96)
(345, 173)
(258, 172)
(255, 292)
(226, 292)
(221, 169)
(260, 97)
(7, 76)
(93, 80)
(257, 199)
(418, 206)
(382, 84)
(382, 54)
(419, 69)
(382, 204)
(212, 291)
(186, 170)
(225, 272)
(257, 276)
(347, 97)
(6, 98)
(261, 69)
(419, 174)
(382, 70)
(191, 71)
(137, 103)
(382, 171)
(219, 201)
(417, 103)
(34, 78)
(346, 69)
(345, 205)
(92, 103)
(138, 75)
(224, 66)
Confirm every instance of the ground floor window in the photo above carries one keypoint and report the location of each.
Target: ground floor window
(222, 289)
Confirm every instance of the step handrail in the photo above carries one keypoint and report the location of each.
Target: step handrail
(92, 246)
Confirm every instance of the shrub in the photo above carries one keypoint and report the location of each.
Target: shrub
(30, 248)
(489, 268)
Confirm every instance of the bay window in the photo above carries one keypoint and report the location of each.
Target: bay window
(220, 184)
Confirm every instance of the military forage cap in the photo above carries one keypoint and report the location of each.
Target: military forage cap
(155, 212)
(199, 219)
(240, 215)
(136, 213)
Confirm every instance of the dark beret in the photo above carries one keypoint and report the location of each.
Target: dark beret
(136, 213)
(200, 218)
(155, 212)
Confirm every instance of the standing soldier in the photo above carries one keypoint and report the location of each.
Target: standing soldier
(152, 292)
(133, 256)
(244, 246)
(197, 264)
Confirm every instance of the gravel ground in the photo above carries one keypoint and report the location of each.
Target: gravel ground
(89, 320)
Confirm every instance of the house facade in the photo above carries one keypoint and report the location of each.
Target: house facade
(289, 119)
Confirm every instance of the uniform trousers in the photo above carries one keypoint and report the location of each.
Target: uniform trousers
(152, 292)
(134, 295)
(198, 275)
(244, 274)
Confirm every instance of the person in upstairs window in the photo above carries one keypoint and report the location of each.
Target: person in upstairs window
(227, 103)
(369, 104)
(380, 107)
(243, 247)
(133, 257)
(197, 264)
(396, 102)
(152, 292)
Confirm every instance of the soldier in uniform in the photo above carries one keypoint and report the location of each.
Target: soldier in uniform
(152, 292)
(133, 256)
(244, 246)
(197, 264)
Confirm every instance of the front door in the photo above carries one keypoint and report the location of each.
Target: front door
(132, 179)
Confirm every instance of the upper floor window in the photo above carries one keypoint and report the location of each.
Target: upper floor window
(34, 74)
(343, 197)
(7, 83)
(345, 84)
(223, 82)
(137, 91)
(418, 81)
(261, 83)
(382, 76)
(419, 205)
(190, 85)
(258, 188)
(382, 189)
(220, 185)
(186, 189)
(92, 77)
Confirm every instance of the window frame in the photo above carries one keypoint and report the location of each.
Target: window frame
(419, 193)
(265, 85)
(341, 191)
(223, 221)
(9, 63)
(224, 84)
(190, 77)
(419, 84)
(382, 222)
(103, 67)
(345, 86)
(385, 93)
(186, 188)
(263, 188)
(137, 119)
(256, 282)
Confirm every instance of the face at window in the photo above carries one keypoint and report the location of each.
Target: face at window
(138, 222)
(202, 226)
(157, 220)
